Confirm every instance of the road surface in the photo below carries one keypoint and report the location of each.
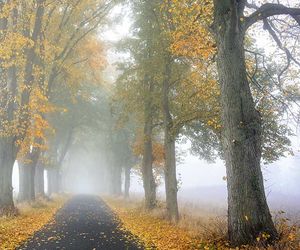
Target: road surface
(84, 223)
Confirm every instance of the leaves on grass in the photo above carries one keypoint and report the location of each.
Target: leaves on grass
(15, 230)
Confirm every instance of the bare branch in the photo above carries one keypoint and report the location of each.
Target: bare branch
(289, 55)
(270, 9)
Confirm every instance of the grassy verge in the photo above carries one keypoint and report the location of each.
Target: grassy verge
(194, 231)
(154, 230)
(32, 217)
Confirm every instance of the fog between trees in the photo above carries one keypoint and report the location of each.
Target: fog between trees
(190, 70)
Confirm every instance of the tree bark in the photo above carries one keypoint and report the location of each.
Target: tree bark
(27, 169)
(26, 182)
(7, 160)
(170, 153)
(127, 182)
(7, 142)
(147, 167)
(53, 177)
(116, 179)
(8, 148)
(248, 212)
(39, 181)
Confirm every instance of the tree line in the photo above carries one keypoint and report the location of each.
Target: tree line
(193, 72)
(49, 54)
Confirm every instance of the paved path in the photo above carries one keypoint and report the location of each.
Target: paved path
(84, 223)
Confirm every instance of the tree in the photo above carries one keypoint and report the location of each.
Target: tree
(176, 91)
(139, 82)
(15, 121)
(38, 46)
(248, 212)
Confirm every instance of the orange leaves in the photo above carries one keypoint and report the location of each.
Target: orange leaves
(156, 233)
(157, 150)
(197, 94)
(12, 49)
(93, 50)
(198, 98)
(193, 232)
(159, 154)
(13, 231)
(189, 28)
(36, 134)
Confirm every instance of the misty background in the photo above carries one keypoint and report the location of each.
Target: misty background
(201, 183)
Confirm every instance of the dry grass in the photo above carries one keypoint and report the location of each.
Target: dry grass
(14, 230)
(196, 229)
(153, 228)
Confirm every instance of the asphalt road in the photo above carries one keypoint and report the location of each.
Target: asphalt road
(84, 223)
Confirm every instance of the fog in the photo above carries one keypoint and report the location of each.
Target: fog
(85, 166)
(202, 183)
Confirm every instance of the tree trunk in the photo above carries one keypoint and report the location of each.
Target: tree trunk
(49, 182)
(7, 144)
(147, 171)
(26, 182)
(127, 182)
(170, 153)
(53, 176)
(39, 181)
(248, 212)
(116, 179)
(27, 169)
(147, 165)
(7, 160)
(118, 186)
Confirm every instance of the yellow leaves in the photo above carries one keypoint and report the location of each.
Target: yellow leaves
(15, 230)
(215, 123)
(198, 97)
(12, 48)
(154, 232)
(39, 127)
(158, 150)
(157, 233)
(93, 50)
(190, 20)
(7, 9)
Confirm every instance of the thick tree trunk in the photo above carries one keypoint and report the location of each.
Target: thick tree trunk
(147, 164)
(248, 212)
(49, 182)
(170, 153)
(39, 181)
(53, 177)
(127, 182)
(26, 182)
(116, 180)
(171, 180)
(7, 144)
(27, 169)
(147, 171)
(7, 160)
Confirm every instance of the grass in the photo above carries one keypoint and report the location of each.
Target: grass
(31, 217)
(197, 228)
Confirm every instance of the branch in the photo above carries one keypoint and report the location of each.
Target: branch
(242, 5)
(270, 9)
(252, 6)
(289, 55)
